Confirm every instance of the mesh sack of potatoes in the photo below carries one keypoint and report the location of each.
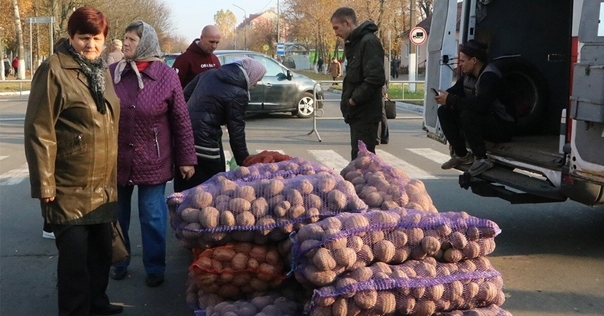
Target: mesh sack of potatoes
(288, 293)
(492, 310)
(238, 268)
(276, 170)
(325, 249)
(416, 287)
(382, 186)
(221, 210)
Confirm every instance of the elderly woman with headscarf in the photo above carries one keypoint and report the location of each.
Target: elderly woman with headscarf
(154, 134)
(219, 97)
(70, 138)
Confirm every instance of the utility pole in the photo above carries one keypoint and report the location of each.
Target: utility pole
(278, 21)
(412, 49)
(244, 26)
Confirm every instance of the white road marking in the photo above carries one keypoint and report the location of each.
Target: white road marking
(412, 171)
(3, 157)
(431, 154)
(330, 159)
(14, 176)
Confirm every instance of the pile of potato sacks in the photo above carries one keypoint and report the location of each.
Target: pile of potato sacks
(294, 238)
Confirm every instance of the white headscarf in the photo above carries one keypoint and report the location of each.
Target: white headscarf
(147, 50)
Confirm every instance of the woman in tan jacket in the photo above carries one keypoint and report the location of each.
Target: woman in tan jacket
(70, 140)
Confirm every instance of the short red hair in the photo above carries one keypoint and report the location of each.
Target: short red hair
(87, 20)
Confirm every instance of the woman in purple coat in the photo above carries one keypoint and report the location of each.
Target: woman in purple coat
(154, 134)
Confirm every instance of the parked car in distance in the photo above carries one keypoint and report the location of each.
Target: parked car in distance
(169, 58)
(281, 90)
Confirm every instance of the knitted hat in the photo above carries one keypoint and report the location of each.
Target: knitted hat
(255, 70)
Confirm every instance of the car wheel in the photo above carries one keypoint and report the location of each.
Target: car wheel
(305, 105)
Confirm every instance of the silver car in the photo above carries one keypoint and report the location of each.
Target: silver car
(281, 90)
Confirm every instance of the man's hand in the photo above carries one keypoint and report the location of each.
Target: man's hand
(441, 98)
(351, 102)
(186, 172)
(47, 200)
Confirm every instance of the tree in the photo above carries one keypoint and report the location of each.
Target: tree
(19, 34)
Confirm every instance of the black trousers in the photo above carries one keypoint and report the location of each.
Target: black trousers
(83, 268)
(363, 131)
(473, 127)
(205, 169)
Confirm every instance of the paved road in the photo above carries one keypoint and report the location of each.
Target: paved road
(551, 255)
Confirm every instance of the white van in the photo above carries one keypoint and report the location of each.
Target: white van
(551, 53)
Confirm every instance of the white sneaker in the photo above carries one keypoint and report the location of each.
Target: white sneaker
(48, 235)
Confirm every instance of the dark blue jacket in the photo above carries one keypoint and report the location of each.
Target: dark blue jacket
(214, 98)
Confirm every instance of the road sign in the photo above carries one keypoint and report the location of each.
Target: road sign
(280, 49)
(265, 47)
(418, 35)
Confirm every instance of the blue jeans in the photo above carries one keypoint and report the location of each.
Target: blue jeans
(153, 215)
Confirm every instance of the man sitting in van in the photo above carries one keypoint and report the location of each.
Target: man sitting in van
(472, 110)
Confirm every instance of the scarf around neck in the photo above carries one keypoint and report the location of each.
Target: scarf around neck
(148, 50)
(94, 70)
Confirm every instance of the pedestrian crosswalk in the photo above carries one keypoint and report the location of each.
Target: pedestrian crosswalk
(429, 159)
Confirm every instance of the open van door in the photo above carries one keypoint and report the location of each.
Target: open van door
(442, 51)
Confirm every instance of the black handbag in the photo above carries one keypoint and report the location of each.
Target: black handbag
(120, 252)
(390, 107)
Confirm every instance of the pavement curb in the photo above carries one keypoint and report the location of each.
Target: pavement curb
(404, 105)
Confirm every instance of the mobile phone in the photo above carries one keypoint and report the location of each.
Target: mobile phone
(435, 91)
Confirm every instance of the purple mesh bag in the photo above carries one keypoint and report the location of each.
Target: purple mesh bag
(221, 210)
(382, 186)
(414, 287)
(278, 170)
(347, 241)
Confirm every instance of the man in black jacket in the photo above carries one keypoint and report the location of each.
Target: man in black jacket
(361, 103)
(473, 110)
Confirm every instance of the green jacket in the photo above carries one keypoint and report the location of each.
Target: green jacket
(71, 148)
(364, 75)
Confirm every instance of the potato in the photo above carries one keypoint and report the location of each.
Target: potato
(353, 174)
(239, 205)
(355, 221)
(318, 278)
(245, 192)
(339, 307)
(294, 197)
(227, 218)
(190, 215)
(344, 284)
(355, 243)
(361, 274)
(345, 257)
(245, 219)
(280, 209)
(336, 200)
(471, 250)
(458, 240)
(268, 223)
(223, 254)
(273, 188)
(259, 253)
(296, 211)
(209, 217)
(385, 304)
(200, 199)
(365, 299)
(192, 230)
(259, 207)
(430, 245)
(424, 308)
(310, 231)
(323, 260)
(384, 251)
(313, 200)
(326, 183)
(239, 262)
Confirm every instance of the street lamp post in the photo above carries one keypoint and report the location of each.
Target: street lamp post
(1, 55)
(244, 26)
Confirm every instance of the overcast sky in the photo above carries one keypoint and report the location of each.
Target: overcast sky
(190, 16)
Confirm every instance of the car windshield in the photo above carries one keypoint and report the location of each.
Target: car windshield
(169, 59)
